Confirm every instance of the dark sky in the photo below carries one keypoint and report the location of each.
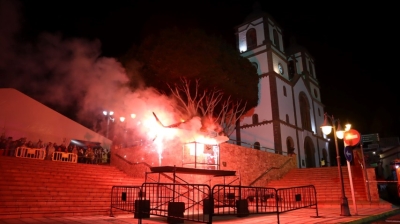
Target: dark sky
(353, 45)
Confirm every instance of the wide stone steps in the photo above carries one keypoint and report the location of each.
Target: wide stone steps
(327, 184)
(32, 188)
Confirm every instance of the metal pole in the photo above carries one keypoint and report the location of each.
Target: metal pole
(365, 171)
(108, 124)
(344, 205)
(352, 188)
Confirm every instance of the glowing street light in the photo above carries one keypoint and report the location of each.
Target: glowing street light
(109, 117)
(327, 129)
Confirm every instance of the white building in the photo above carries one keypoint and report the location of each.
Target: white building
(289, 112)
(23, 117)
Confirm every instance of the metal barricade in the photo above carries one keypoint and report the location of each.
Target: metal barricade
(124, 198)
(178, 202)
(198, 203)
(32, 153)
(245, 200)
(296, 197)
(293, 198)
(65, 157)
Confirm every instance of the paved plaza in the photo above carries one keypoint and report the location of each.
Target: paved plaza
(301, 216)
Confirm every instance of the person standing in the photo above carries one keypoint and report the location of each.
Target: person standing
(323, 163)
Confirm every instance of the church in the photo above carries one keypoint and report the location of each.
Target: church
(289, 113)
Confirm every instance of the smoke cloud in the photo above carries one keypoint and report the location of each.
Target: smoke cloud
(71, 72)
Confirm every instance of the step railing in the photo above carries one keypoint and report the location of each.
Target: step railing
(268, 170)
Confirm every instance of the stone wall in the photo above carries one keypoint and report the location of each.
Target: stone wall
(249, 164)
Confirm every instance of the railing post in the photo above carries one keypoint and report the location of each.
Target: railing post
(111, 204)
(276, 204)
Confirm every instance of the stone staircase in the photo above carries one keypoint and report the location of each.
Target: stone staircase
(32, 188)
(327, 184)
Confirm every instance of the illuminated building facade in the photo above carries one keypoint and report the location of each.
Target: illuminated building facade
(289, 113)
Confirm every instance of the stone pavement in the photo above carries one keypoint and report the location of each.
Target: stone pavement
(301, 216)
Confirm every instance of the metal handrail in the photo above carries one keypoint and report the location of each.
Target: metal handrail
(267, 171)
(146, 164)
(252, 146)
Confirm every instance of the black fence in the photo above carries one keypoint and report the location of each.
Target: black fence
(245, 200)
(199, 203)
(124, 198)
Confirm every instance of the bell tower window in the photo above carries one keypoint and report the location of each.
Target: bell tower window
(276, 39)
(291, 69)
(251, 38)
(311, 68)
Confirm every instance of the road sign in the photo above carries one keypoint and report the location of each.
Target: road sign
(351, 137)
(370, 138)
(348, 154)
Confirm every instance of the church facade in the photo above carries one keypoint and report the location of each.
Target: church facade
(289, 113)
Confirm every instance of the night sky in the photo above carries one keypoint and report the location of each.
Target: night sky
(353, 45)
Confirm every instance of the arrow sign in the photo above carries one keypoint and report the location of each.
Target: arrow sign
(348, 154)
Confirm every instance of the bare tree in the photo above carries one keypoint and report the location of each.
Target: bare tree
(211, 105)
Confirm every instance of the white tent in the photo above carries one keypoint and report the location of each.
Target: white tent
(22, 116)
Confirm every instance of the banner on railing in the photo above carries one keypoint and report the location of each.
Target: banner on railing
(32, 153)
(65, 157)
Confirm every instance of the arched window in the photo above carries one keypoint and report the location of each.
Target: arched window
(316, 93)
(257, 145)
(276, 39)
(251, 38)
(255, 118)
(284, 90)
(305, 112)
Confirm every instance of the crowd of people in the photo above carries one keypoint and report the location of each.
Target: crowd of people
(86, 154)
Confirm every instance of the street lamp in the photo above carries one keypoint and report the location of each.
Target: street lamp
(327, 129)
(109, 117)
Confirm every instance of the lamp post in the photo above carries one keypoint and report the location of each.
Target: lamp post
(109, 117)
(327, 129)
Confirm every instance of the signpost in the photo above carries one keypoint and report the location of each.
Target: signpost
(351, 138)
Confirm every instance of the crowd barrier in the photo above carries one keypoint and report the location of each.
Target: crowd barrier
(199, 203)
(65, 157)
(177, 202)
(32, 153)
